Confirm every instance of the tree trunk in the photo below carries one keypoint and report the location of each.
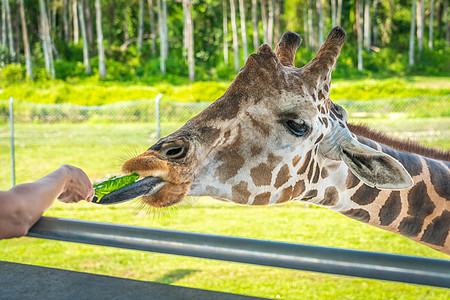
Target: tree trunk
(420, 25)
(312, 42)
(48, 53)
(446, 22)
(26, 44)
(140, 25)
(359, 29)
(235, 36)
(264, 20)
(162, 42)
(430, 32)
(87, 65)
(375, 23)
(190, 44)
(12, 52)
(225, 32)
(412, 32)
(3, 41)
(65, 20)
(87, 17)
(277, 20)
(305, 23)
(270, 23)
(367, 27)
(333, 13)
(166, 30)
(101, 51)
(126, 35)
(243, 29)
(152, 25)
(76, 34)
(339, 13)
(319, 8)
(255, 24)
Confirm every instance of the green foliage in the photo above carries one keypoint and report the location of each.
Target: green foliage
(113, 184)
(12, 73)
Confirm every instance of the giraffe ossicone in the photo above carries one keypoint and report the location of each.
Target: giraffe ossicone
(275, 136)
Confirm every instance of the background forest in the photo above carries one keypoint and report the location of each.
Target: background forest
(148, 41)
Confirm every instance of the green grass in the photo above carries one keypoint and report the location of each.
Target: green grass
(94, 92)
(291, 222)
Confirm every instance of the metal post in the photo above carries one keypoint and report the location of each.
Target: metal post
(158, 119)
(373, 265)
(11, 122)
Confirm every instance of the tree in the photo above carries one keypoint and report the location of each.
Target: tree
(264, 20)
(140, 25)
(270, 23)
(339, 13)
(46, 40)
(255, 24)
(235, 36)
(430, 32)
(412, 32)
(87, 65)
(243, 29)
(12, 53)
(190, 39)
(305, 23)
(277, 20)
(420, 25)
(359, 30)
(88, 22)
(225, 32)
(76, 34)
(312, 42)
(101, 51)
(162, 37)
(367, 27)
(375, 23)
(26, 43)
(319, 10)
(152, 25)
(333, 13)
(3, 40)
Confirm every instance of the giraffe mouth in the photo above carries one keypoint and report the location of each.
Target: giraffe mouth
(145, 187)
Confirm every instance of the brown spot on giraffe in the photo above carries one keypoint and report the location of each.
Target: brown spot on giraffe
(231, 161)
(351, 180)
(261, 174)
(310, 195)
(283, 176)
(331, 196)
(315, 178)
(436, 233)
(391, 209)
(439, 178)
(418, 199)
(324, 173)
(299, 188)
(261, 127)
(256, 150)
(357, 214)
(286, 195)
(296, 160)
(365, 195)
(240, 191)
(262, 199)
(305, 163)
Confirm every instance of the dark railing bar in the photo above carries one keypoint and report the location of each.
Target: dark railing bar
(408, 269)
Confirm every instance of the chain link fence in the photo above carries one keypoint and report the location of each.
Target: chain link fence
(99, 139)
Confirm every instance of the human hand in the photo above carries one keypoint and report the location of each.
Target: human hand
(77, 187)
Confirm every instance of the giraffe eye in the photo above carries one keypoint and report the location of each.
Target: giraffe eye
(298, 129)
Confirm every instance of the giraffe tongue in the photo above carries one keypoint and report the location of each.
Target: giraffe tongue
(145, 186)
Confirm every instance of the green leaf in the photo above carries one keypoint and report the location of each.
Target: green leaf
(114, 183)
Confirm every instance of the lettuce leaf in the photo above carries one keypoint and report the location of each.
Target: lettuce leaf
(114, 183)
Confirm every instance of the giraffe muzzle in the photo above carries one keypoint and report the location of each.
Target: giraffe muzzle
(144, 187)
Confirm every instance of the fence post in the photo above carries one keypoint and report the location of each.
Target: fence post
(11, 123)
(158, 120)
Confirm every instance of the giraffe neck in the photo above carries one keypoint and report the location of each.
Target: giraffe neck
(421, 213)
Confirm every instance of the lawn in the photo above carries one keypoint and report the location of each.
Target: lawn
(101, 147)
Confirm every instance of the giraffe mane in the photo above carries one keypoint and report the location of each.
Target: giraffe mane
(399, 144)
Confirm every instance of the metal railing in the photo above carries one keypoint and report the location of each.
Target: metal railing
(372, 265)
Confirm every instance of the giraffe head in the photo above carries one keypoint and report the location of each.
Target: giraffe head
(254, 145)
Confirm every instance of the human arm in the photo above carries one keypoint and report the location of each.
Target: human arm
(24, 204)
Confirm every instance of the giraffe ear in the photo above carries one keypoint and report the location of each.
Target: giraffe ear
(375, 168)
